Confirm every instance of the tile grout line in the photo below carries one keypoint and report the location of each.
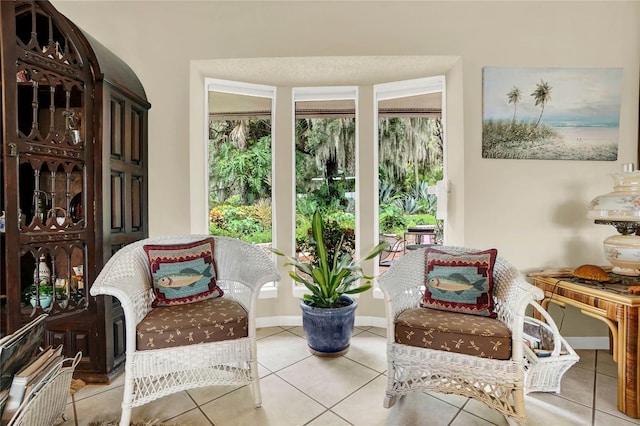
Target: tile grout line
(199, 406)
(352, 393)
(75, 412)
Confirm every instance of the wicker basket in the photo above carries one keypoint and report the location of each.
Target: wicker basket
(545, 366)
(49, 403)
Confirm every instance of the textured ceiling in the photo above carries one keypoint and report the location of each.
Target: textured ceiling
(328, 70)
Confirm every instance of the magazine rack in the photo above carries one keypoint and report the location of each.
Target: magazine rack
(46, 406)
(543, 372)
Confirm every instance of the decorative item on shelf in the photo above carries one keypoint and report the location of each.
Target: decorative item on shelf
(22, 76)
(2, 222)
(41, 288)
(39, 205)
(621, 208)
(22, 219)
(44, 293)
(57, 216)
(75, 208)
(61, 288)
(328, 313)
(72, 125)
(42, 273)
(78, 278)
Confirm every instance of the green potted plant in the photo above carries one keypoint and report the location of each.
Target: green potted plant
(328, 313)
(44, 292)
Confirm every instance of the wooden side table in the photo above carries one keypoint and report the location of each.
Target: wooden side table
(620, 310)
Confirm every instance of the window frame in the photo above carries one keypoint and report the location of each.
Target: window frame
(269, 290)
(395, 90)
(324, 93)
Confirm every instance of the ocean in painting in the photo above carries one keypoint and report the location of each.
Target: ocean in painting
(575, 142)
(588, 135)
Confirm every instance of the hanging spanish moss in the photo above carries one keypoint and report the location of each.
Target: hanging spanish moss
(409, 144)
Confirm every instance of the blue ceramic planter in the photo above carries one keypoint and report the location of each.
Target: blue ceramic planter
(45, 301)
(329, 330)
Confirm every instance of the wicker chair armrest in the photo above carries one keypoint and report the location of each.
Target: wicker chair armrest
(512, 296)
(126, 277)
(247, 264)
(402, 284)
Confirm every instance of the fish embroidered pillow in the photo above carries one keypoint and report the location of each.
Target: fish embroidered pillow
(460, 281)
(183, 273)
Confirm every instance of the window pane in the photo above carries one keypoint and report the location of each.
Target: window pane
(240, 166)
(325, 173)
(410, 162)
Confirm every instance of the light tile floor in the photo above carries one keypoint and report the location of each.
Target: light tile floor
(301, 389)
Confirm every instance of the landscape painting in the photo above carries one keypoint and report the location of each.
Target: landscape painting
(551, 113)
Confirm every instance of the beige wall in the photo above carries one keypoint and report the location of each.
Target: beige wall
(532, 211)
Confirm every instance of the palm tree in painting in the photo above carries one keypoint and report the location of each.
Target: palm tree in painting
(514, 97)
(542, 95)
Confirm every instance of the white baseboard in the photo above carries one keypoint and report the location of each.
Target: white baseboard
(296, 320)
(366, 321)
(371, 322)
(279, 321)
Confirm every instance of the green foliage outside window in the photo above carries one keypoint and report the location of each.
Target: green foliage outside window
(249, 223)
(240, 172)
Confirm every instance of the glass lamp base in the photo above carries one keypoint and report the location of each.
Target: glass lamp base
(623, 252)
(626, 271)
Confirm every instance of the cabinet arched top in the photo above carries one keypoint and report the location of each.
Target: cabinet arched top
(115, 71)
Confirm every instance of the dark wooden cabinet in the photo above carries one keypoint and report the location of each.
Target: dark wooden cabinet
(74, 179)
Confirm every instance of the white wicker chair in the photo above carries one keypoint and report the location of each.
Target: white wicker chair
(150, 374)
(497, 383)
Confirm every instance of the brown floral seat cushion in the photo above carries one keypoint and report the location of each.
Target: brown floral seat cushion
(455, 332)
(206, 321)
